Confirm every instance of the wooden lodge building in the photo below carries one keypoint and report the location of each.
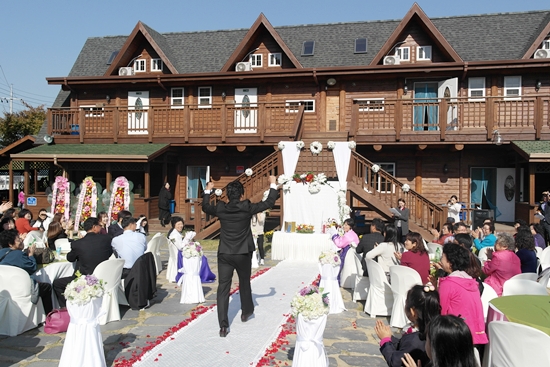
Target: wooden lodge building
(449, 106)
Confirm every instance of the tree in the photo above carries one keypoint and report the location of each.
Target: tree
(14, 126)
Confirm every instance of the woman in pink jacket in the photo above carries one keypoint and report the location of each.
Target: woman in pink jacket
(344, 242)
(501, 264)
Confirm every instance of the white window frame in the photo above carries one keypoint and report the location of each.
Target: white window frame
(377, 104)
(388, 167)
(275, 59)
(508, 88)
(424, 50)
(399, 52)
(256, 60)
(140, 66)
(93, 111)
(546, 44)
(205, 98)
(173, 99)
(157, 65)
(476, 89)
(293, 104)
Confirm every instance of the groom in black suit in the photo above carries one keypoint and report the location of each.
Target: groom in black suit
(236, 245)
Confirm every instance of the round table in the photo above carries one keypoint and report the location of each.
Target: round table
(528, 310)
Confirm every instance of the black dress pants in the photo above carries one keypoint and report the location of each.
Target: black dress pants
(261, 245)
(45, 292)
(227, 263)
(59, 286)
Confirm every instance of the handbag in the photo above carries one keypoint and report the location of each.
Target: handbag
(44, 255)
(57, 321)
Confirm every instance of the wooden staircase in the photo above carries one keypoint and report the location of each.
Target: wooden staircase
(363, 186)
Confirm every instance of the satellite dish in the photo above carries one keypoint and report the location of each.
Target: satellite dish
(48, 139)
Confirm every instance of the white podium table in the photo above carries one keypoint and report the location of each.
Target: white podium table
(299, 246)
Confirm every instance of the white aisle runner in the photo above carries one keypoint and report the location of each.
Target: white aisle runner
(199, 344)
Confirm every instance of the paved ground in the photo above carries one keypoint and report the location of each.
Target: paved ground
(349, 336)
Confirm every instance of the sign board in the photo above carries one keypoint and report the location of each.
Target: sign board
(31, 201)
(240, 169)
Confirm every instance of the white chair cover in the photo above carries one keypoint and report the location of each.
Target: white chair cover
(38, 238)
(514, 287)
(53, 271)
(515, 345)
(347, 276)
(17, 313)
(488, 294)
(539, 251)
(482, 255)
(64, 244)
(545, 278)
(110, 271)
(83, 342)
(190, 282)
(153, 246)
(403, 279)
(526, 276)
(329, 283)
(380, 296)
(362, 283)
(309, 350)
(172, 267)
(432, 248)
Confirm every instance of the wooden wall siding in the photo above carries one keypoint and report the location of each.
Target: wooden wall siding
(416, 36)
(323, 163)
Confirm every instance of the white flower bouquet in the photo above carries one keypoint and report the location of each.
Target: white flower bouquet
(300, 144)
(84, 289)
(406, 188)
(330, 258)
(331, 145)
(281, 145)
(218, 192)
(310, 302)
(352, 144)
(282, 179)
(248, 172)
(192, 249)
(314, 187)
(316, 147)
(375, 168)
(321, 178)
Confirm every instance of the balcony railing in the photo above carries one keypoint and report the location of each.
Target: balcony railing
(385, 121)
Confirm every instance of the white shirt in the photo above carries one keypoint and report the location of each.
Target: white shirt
(129, 246)
(385, 252)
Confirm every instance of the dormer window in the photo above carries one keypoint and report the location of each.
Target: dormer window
(424, 53)
(308, 48)
(360, 45)
(546, 44)
(140, 66)
(256, 60)
(156, 65)
(275, 59)
(403, 53)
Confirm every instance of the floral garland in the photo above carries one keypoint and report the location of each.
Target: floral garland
(343, 208)
(120, 197)
(314, 181)
(61, 197)
(316, 147)
(87, 202)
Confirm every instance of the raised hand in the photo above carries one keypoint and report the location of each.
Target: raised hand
(382, 330)
(408, 361)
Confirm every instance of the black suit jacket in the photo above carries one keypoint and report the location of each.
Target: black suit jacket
(236, 235)
(89, 251)
(366, 244)
(115, 230)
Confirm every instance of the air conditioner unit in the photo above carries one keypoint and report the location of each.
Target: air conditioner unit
(542, 53)
(126, 70)
(243, 66)
(391, 60)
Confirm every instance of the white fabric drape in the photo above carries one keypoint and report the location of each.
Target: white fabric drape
(190, 282)
(342, 155)
(83, 342)
(310, 350)
(329, 283)
(290, 153)
(299, 246)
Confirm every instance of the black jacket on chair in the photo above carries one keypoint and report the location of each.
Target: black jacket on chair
(140, 285)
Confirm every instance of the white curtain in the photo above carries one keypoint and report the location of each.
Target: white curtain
(291, 153)
(342, 155)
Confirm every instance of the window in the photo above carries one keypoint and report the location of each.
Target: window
(292, 106)
(512, 87)
(176, 97)
(371, 104)
(112, 57)
(92, 111)
(205, 97)
(403, 53)
(308, 48)
(382, 185)
(360, 45)
(256, 60)
(424, 53)
(546, 44)
(139, 66)
(476, 89)
(156, 65)
(275, 59)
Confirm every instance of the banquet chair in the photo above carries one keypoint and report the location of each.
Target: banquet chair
(17, 313)
(379, 298)
(432, 248)
(527, 276)
(361, 283)
(544, 278)
(514, 287)
(110, 271)
(347, 275)
(172, 267)
(545, 258)
(482, 255)
(488, 294)
(513, 344)
(64, 244)
(539, 251)
(153, 246)
(403, 279)
(36, 236)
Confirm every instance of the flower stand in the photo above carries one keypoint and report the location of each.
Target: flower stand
(309, 350)
(83, 343)
(190, 282)
(329, 283)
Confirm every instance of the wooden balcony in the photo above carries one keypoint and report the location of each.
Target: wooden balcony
(452, 120)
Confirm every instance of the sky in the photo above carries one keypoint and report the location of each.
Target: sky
(42, 39)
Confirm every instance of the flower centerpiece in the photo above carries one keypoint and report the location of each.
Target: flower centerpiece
(87, 202)
(310, 302)
(248, 172)
(61, 196)
(316, 147)
(329, 258)
(304, 228)
(192, 249)
(84, 289)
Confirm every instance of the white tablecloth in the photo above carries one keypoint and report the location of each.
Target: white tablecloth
(299, 246)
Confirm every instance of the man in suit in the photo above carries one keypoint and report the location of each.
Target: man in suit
(116, 229)
(236, 245)
(368, 241)
(90, 250)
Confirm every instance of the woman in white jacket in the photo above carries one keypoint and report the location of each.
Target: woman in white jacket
(386, 250)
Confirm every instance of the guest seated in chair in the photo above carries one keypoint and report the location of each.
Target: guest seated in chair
(23, 223)
(487, 232)
(116, 229)
(90, 250)
(129, 245)
(416, 256)
(370, 240)
(12, 254)
(525, 244)
(385, 251)
(55, 232)
(344, 242)
(502, 263)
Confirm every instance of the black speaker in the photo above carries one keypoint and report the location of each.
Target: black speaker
(479, 215)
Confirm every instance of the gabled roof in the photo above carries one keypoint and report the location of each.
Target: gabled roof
(242, 50)
(128, 50)
(431, 30)
(542, 34)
